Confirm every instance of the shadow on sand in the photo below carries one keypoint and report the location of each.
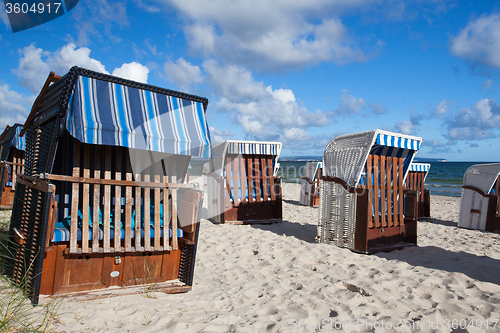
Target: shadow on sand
(477, 267)
(305, 232)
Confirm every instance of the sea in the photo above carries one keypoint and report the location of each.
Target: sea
(444, 178)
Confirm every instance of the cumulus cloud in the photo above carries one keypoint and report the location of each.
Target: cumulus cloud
(276, 35)
(263, 112)
(482, 121)
(441, 108)
(479, 41)
(14, 107)
(182, 73)
(406, 127)
(351, 105)
(133, 71)
(35, 64)
(218, 135)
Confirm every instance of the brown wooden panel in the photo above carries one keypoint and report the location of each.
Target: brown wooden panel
(395, 186)
(147, 215)
(157, 209)
(383, 182)
(400, 191)
(171, 260)
(376, 190)
(369, 187)
(236, 181)
(244, 180)
(265, 178)
(390, 188)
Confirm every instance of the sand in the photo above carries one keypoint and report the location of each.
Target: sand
(276, 278)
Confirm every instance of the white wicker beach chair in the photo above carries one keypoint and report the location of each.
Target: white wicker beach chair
(479, 204)
(243, 186)
(362, 203)
(309, 185)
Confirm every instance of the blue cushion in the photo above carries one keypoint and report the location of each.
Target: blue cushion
(61, 233)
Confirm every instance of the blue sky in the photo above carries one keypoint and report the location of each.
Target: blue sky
(299, 72)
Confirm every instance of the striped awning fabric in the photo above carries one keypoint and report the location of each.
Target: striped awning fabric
(397, 141)
(107, 113)
(253, 148)
(420, 167)
(18, 141)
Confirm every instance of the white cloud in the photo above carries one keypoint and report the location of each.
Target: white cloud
(133, 71)
(441, 108)
(487, 84)
(479, 41)
(271, 34)
(406, 127)
(33, 69)
(182, 73)
(351, 105)
(14, 107)
(220, 136)
(479, 122)
(263, 112)
(36, 64)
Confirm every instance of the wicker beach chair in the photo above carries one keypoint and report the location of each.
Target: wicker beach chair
(415, 181)
(363, 204)
(102, 202)
(243, 186)
(479, 203)
(309, 184)
(11, 163)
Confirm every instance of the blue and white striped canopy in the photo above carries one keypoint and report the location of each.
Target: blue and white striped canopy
(420, 167)
(253, 148)
(107, 113)
(397, 141)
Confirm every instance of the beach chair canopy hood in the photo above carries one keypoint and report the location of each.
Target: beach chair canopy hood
(11, 138)
(234, 147)
(482, 176)
(101, 109)
(345, 156)
(311, 170)
(420, 167)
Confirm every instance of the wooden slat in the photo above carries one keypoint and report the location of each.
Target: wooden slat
(382, 190)
(138, 205)
(96, 199)
(128, 204)
(166, 215)
(389, 187)
(229, 162)
(107, 201)
(369, 188)
(400, 191)
(84, 180)
(258, 177)
(86, 199)
(376, 199)
(250, 177)
(74, 198)
(175, 244)
(271, 180)
(236, 181)
(157, 207)
(147, 214)
(118, 200)
(244, 180)
(395, 186)
(265, 178)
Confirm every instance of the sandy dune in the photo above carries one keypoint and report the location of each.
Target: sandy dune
(276, 278)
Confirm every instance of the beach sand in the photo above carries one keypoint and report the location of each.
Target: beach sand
(276, 278)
